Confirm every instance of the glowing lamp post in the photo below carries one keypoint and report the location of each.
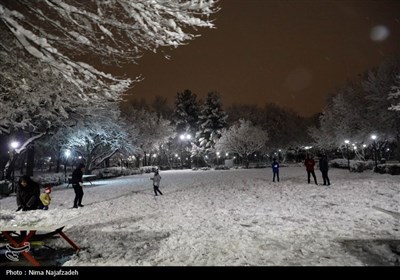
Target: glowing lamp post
(154, 158)
(14, 145)
(67, 153)
(184, 138)
(373, 137)
(347, 151)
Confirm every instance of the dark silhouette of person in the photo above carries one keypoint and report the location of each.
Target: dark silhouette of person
(310, 163)
(275, 170)
(324, 167)
(156, 183)
(28, 193)
(77, 184)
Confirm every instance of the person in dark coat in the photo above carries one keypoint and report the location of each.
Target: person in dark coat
(77, 183)
(324, 167)
(28, 193)
(310, 163)
(275, 170)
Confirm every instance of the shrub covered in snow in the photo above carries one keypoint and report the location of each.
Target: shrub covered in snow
(165, 167)
(205, 168)
(148, 169)
(53, 179)
(355, 165)
(339, 163)
(221, 167)
(391, 168)
(360, 166)
(115, 172)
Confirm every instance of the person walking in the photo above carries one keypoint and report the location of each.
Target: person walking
(310, 163)
(275, 170)
(77, 184)
(324, 167)
(156, 183)
(28, 193)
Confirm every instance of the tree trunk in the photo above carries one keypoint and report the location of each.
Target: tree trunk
(21, 159)
(397, 149)
(58, 162)
(88, 165)
(246, 160)
(30, 160)
(10, 166)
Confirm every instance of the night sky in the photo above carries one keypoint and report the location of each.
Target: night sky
(293, 53)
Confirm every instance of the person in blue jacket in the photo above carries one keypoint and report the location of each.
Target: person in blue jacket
(275, 170)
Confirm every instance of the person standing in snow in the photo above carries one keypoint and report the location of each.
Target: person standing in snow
(275, 170)
(28, 193)
(310, 163)
(45, 198)
(77, 183)
(156, 182)
(324, 167)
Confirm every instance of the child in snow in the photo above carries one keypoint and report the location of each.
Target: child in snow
(156, 182)
(45, 198)
(275, 170)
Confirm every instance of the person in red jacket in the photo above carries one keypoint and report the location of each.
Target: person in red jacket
(310, 163)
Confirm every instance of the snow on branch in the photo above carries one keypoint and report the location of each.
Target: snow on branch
(63, 32)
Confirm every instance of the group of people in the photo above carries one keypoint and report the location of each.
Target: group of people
(30, 198)
(309, 163)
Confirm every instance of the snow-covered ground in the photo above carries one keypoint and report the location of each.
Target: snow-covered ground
(227, 217)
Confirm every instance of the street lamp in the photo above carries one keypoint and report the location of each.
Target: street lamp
(373, 137)
(184, 138)
(14, 145)
(347, 150)
(67, 153)
(217, 158)
(154, 158)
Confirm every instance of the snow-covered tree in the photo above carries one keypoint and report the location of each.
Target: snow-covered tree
(242, 138)
(50, 51)
(153, 131)
(377, 87)
(33, 98)
(395, 94)
(68, 34)
(251, 113)
(98, 137)
(186, 113)
(161, 107)
(357, 110)
(212, 119)
(343, 118)
(285, 127)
